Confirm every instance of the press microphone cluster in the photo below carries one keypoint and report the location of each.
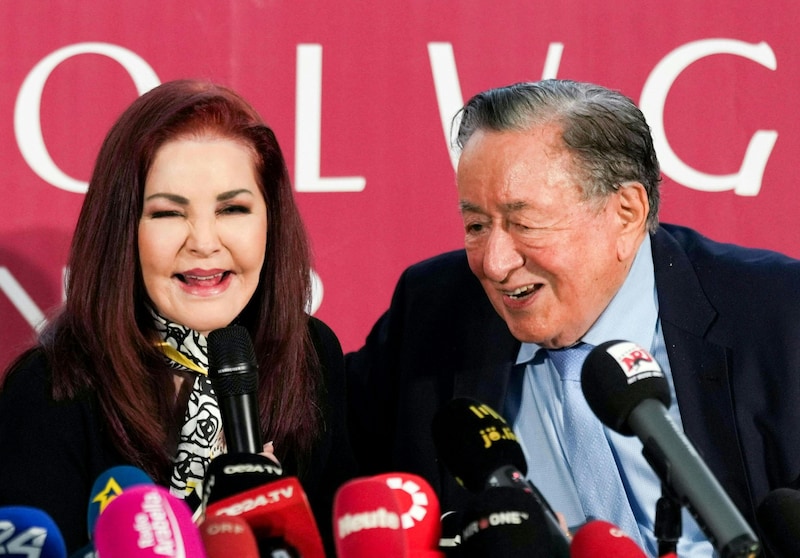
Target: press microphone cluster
(627, 390)
(508, 517)
(242, 483)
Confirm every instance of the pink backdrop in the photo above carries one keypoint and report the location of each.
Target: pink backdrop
(363, 88)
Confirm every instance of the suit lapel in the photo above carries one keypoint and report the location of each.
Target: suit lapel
(699, 366)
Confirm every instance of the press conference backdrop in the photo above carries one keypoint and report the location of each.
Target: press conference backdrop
(361, 95)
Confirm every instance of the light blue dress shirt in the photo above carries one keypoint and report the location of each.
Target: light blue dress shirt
(535, 399)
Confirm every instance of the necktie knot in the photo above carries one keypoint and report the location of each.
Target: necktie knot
(569, 361)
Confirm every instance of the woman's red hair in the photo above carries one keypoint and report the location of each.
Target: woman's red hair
(103, 339)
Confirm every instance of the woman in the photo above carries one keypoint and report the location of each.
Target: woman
(188, 225)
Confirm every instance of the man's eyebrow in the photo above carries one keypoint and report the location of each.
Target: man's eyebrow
(467, 207)
(510, 207)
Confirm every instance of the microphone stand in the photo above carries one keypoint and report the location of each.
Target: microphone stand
(668, 526)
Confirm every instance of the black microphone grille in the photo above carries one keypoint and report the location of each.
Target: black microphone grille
(232, 361)
(616, 377)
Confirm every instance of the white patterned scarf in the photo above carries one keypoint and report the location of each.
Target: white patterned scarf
(201, 436)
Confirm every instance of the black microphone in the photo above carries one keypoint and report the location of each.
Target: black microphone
(778, 515)
(481, 451)
(229, 474)
(626, 388)
(504, 522)
(233, 370)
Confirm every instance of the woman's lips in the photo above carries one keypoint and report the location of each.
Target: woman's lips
(204, 282)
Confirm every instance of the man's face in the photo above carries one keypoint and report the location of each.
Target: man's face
(549, 261)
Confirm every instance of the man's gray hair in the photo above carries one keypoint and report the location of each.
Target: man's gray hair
(603, 129)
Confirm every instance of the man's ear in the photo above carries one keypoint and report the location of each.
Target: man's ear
(632, 210)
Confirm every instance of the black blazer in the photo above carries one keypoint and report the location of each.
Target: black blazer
(52, 452)
(731, 322)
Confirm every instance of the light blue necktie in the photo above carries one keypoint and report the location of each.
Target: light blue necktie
(588, 452)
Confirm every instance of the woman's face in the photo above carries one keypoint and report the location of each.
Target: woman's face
(203, 231)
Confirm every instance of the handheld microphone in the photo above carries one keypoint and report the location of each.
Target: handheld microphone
(230, 474)
(110, 484)
(228, 536)
(481, 451)
(233, 370)
(504, 522)
(27, 531)
(366, 516)
(147, 522)
(778, 515)
(626, 388)
(276, 510)
(598, 539)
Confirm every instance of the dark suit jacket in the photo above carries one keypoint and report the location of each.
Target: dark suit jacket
(731, 322)
(52, 452)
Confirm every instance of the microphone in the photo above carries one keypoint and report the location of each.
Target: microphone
(275, 510)
(778, 515)
(147, 522)
(233, 370)
(598, 539)
(626, 388)
(392, 510)
(481, 451)
(419, 512)
(367, 516)
(450, 540)
(229, 474)
(504, 522)
(110, 484)
(27, 532)
(228, 536)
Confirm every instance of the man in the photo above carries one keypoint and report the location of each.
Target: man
(558, 189)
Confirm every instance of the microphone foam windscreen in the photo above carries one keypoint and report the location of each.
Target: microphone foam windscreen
(616, 377)
(473, 441)
(232, 361)
(147, 522)
(778, 515)
(601, 538)
(27, 531)
(277, 510)
(504, 522)
(366, 517)
(110, 484)
(228, 536)
(229, 474)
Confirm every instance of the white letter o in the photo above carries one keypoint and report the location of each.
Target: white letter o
(27, 124)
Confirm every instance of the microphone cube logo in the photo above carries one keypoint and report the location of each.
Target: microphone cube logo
(635, 361)
(27, 542)
(412, 499)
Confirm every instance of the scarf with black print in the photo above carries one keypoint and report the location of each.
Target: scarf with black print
(200, 438)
